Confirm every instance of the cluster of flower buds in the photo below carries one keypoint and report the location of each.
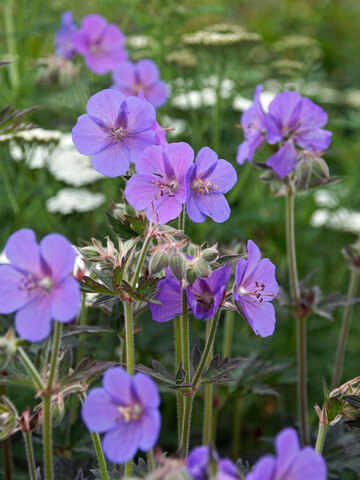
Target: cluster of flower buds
(343, 403)
(196, 263)
(107, 256)
(27, 422)
(8, 418)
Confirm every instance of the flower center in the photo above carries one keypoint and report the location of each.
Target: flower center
(46, 283)
(166, 186)
(203, 187)
(136, 87)
(257, 293)
(31, 284)
(96, 50)
(118, 134)
(131, 412)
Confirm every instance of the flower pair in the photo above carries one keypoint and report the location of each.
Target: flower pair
(256, 287)
(291, 121)
(167, 178)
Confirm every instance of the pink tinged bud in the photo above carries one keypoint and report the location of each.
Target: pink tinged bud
(209, 254)
(158, 261)
(202, 269)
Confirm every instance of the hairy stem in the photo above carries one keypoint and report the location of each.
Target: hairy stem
(30, 455)
(300, 321)
(321, 438)
(130, 356)
(11, 42)
(185, 336)
(7, 465)
(195, 384)
(228, 332)
(98, 449)
(178, 359)
(340, 353)
(208, 407)
(29, 366)
(151, 461)
(47, 427)
(141, 260)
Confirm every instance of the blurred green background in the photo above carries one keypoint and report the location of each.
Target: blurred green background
(304, 45)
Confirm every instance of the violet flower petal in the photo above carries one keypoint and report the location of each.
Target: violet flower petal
(98, 412)
(151, 423)
(23, 252)
(88, 137)
(170, 295)
(103, 107)
(117, 384)
(147, 71)
(261, 317)
(264, 469)
(12, 296)
(33, 322)
(65, 300)
(112, 162)
(284, 160)
(146, 390)
(58, 254)
(121, 443)
(214, 206)
(287, 448)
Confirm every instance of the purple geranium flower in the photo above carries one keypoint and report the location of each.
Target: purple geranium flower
(38, 283)
(256, 287)
(144, 75)
(126, 409)
(207, 180)
(101, 44)
(160, 132)
(199, 468)
(169, 295)
(115, 131)
(64, 38)
(160, 186)
(291, 462)
(292, 120)
(205, 294)
(253, 123)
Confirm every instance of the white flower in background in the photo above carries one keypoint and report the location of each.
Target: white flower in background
(3, 258)
(67, 165)
(320, 217)
(16, 151)
(177, 123)
(188, 100)
(326, 198)
(70, 200)
(139, 41)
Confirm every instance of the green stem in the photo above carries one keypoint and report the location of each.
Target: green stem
(11, 43)
(29, 366)
(208, 407)
(207, 350)
(195, 384)
(236, 422)
(130, 357)
(30, 455)
(185, 336)
(345, 327)
(300, 321)
(228, 332)
(98, 449)
(151, 461)
(188, 402)
(178, 359)
(181, 220)
(54, 355)
(141, 260)
(321, 438)
(47, 413)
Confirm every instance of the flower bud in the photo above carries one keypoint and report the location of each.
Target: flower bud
(209, 254)
(129, 210)
(202, 269)
(158, 261)
(7, 348)
(8, 416)
(191, 276)
(58, 411)
(177, 265)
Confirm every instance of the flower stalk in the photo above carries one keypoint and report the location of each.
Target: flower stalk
(321, 438)
(30, 455)
(300, 320)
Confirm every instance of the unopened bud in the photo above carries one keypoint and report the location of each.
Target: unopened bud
(158, 261)
(177, 265)
(7, 348)
(202, 269)
(58, 411)
(129, 210)
(209, 254)
(8, 416)
(191, 276)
